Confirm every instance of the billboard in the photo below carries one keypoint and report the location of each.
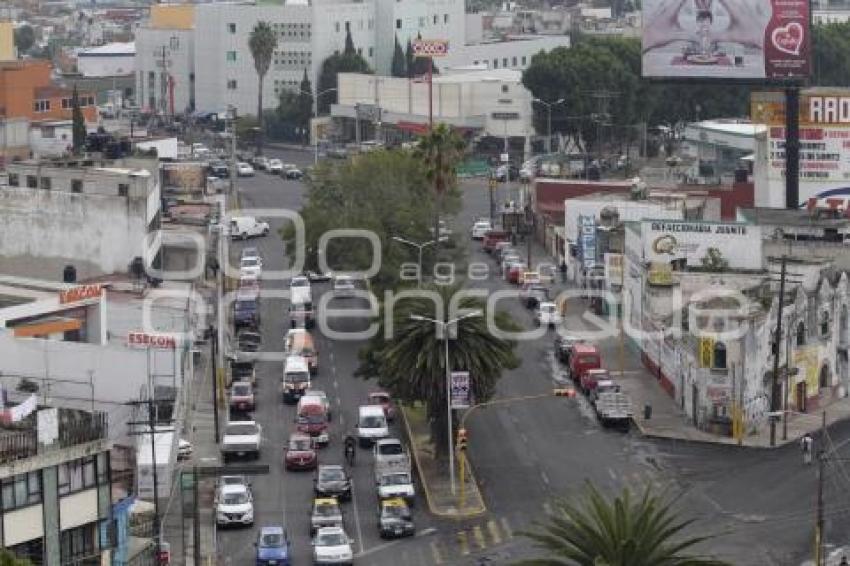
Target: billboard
(824, 141)
(461, 395)
(726, 39)
(697, 243)
(587, 240)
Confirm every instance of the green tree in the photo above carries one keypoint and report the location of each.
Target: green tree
(831, 44)
(624, 531)
(24, 39)
(78, 124)
(262, 42)
(9, 559)
(332, 66)
(440, 150)
(409, 59)
(349, 44)
(305, 105)
(399, 64)
(409, 358)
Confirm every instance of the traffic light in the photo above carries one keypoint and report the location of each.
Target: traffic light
(564, 392)
(461, 439)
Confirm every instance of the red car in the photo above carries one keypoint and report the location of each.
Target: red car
(383, 399)
(300, 452)
(242, 396)
(514, 272)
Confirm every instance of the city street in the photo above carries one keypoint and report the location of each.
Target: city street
(525, 454)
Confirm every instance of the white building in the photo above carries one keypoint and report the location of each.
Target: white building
(178, 46)
(97, 217)
(825, 16)
(51, 139)
(512, 52)
(110, 60)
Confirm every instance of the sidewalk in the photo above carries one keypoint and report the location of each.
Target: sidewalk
(433, 475)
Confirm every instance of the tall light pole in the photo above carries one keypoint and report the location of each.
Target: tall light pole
(548, 106)
(419, 246)
(316, 116)
(445, 327)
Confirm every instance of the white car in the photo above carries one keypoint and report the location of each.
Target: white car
(243, 227)
(251, 267)
(241, 438)
(343, 286)
(292, 171)
(332, 545)
(251, 253)
(184, 449)
(275, 166)
(479, 229)
(244, 170)
(234, 505)
(547, 315)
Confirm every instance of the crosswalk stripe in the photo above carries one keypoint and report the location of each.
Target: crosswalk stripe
(506, 527)
(493, 528)
(435, 553)
(478, 535)
(463, 541)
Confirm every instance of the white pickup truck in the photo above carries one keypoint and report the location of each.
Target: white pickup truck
(614, 409)
(241, 438)
(396, 484)
(390, 455)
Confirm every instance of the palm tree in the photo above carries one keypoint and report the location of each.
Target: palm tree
(410, 364)
(441, 149)
(262, 43)
(627, 531)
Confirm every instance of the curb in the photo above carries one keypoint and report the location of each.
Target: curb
(423, 481)
(697, 441)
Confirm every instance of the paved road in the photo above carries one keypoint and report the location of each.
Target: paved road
(528, 453)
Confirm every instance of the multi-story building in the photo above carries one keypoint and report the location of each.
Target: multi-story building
(55, 485)
(27, 91)
(97, 216)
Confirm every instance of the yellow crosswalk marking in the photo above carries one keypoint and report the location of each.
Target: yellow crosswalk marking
(435, 553)
(493, 528)
(478, 535)
(509, 532)
(463, 541)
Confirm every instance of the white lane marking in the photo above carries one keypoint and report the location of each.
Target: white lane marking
(357, 519)
(544, 477)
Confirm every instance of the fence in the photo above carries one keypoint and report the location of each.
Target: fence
(75, 427)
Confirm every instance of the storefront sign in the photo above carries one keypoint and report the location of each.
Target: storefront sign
(460, 390)
(734, 244)
(614, 268)
(587, 240)
(430, 47)
(149, 340)
(80, 293)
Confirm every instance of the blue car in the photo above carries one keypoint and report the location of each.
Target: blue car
(273, 547)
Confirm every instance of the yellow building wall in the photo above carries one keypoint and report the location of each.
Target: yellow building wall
(173, 16)
(7, 41)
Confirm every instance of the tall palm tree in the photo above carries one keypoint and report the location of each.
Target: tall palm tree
(441, 149)
(411, 362)
(625, 531)
(262, 43)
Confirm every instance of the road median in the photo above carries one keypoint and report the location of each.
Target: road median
(433, 476)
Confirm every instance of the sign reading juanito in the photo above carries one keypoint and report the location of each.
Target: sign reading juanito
(697, 242)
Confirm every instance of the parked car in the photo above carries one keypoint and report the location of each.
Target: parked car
(234, 505)
(564, 347)
(300, 452)
(493, 237)
(242, 397)
(547, 315)
(273, 547)
(292, 172)
(260, 162)
(243, 227)
(337, 152)
(533, 294)
(591, 377)
(383, 399)
(344, 286)
(332, 545)
(332, 481)
(479, 229)
(603, 386)
(514, 270)
(316, 277)
(394, 519)
(244, 169)
(326, 513)
(583, 358)
(275, 166)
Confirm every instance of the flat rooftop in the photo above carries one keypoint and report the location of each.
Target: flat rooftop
(784, 217)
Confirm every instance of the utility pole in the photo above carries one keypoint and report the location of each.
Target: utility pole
(213, 344)
(819, 544)
(231, 113)
(776, 338)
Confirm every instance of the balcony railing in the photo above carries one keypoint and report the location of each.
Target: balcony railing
(20, 440)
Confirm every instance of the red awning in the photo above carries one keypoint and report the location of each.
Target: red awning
(413, 127)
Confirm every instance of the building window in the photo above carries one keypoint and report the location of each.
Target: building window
(123, 189)
(67, 103)
(398, 23)
(77, 475)
(371, 51)
(14, 180)
(41, 106)
(445, 18)
(719, 355)
(231, 56)
(76, 185)
(422, 22)
(801, 334)
(524, 61)
(231, 84)
(360, 51)
(824, 323)
(513, 62)
(434, 19)
(231, 28)
(505, 62)
(46, 183)
(495, 63)
(505, 88)
(32, 182)
(21, 490)
(77, 544)
(336, 26)
(347, 26)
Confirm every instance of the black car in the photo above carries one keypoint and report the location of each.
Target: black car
(564, 347)
(248, 341)
(332, 481)
(219, 169)
(395, 519)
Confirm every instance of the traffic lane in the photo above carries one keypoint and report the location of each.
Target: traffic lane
(301, 158)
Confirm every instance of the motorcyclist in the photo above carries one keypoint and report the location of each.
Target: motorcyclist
(350, 449)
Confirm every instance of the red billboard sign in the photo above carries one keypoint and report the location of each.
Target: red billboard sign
(726, 39)
(149, 340)
(80, 293)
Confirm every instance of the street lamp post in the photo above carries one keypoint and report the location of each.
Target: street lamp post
(419, 246)
(445, 327)
(316, 116)
(548, 106)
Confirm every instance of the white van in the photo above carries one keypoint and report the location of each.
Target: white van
(371, 424)
(296, 378)
(242, 227)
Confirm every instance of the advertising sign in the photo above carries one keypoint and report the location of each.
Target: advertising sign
(733, 244)
(587, 240)
(726, 39)
(150, 340)
(430, 47)
(824, 142)
(80, 293)
(461, 394)
(614, 268)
